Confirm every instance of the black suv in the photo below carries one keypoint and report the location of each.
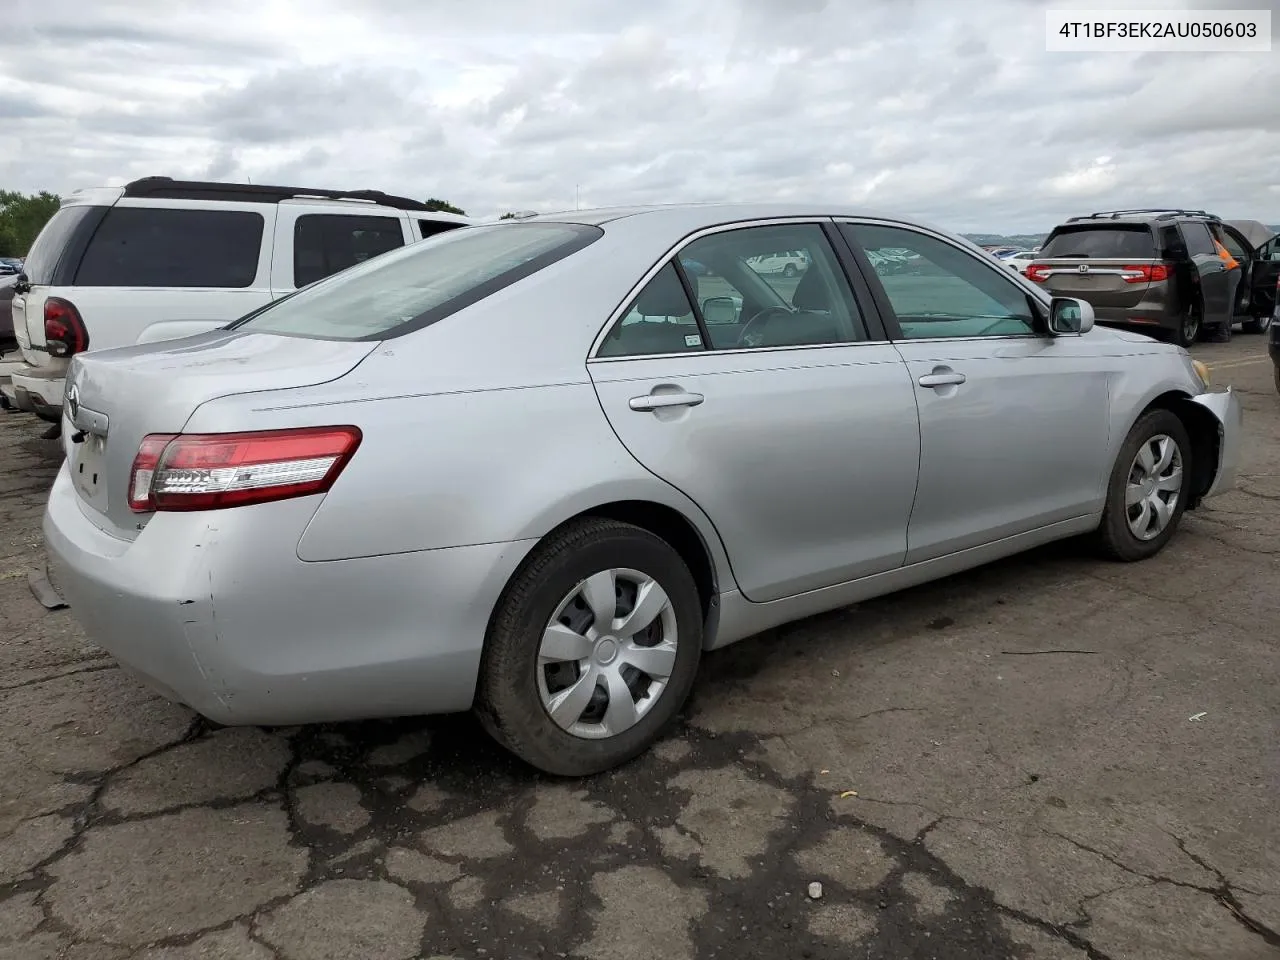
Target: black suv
(1160, 269)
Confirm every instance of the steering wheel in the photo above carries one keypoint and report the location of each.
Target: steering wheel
(752, 334)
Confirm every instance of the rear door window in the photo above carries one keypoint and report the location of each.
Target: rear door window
(1100, 243)
(1199, 242)
(408, 289)
(154, 247)
(325, 243)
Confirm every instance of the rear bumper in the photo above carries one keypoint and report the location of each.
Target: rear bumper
(1225, 406)
(33, 391)
(216, 611)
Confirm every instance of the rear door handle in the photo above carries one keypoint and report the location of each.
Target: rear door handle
(656, 401)
(941, 379)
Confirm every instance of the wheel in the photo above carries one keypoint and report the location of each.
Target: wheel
(592, 649)
(1189, 327)
(1276, 368)
(790, 270)
(1256, 324)
(1147, 491)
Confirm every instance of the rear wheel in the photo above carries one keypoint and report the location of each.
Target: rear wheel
(1257, 324)
(592, 650)
(1148, 489)
(1188, 327)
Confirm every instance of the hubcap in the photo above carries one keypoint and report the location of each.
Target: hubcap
(607, 653)
(1155, 481)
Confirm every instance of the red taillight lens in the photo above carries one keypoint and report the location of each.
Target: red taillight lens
(1146, 273)
(217, 470)
(64, 331)
(144, 470)
(1038, 272)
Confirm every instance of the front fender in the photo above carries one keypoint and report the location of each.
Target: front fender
(1226, 409)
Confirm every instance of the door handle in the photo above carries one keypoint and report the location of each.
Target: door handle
(656, 401)
(942, 379)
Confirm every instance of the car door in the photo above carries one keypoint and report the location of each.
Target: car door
(792, 424)
(1211, 270)
(1013, 422)
(1266, 278)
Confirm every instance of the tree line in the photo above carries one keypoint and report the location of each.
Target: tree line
(22, 217)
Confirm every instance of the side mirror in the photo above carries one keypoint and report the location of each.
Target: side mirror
(1069, 315)
(717, 310)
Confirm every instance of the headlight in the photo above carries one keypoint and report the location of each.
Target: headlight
(1202, 372)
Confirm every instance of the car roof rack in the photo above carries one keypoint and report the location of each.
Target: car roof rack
(167, 188)
(1160, 213)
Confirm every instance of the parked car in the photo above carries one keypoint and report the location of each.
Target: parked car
(512, 468)
(1160, 270)
(1020, 260)
(162, 258)
(789, 263)
(1273, 349)
(7, 342)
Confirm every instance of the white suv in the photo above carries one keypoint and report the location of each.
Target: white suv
(163, 258)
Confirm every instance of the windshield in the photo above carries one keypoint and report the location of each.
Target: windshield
(409, 288)
(1101, 243)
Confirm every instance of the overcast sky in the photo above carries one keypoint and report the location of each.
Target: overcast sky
(947, 109)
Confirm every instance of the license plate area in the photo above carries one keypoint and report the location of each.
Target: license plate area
(89, 468)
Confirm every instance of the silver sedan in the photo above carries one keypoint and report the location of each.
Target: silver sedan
(539, 467)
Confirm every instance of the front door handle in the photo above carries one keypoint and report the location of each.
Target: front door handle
(656, 401)
(942, 379)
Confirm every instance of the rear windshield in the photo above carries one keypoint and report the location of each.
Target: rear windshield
(52, 242)
(1120, 241)
(419, 284)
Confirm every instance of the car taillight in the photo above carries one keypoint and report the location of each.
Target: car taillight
(1038, 272)
(1146, 273)
(215, 470)
(64, 331)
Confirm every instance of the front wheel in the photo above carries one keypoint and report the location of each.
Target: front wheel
(592, 649)
(1148, 489)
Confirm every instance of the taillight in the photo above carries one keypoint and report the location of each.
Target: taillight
(64, 331)
(1146, 273)
(215, 470)
(1038, 272)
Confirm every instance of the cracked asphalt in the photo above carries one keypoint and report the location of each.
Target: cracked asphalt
(1000, 765)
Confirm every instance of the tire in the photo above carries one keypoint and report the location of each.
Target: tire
(1188, 328)
(790, 271)
(1115, 536)
(516, 684)
(1276, 368)
(1256, 324)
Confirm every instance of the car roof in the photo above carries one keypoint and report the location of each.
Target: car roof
(689, 217)
(166, 188)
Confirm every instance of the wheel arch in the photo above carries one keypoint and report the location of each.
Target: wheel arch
(672, 526)
(1205, 434)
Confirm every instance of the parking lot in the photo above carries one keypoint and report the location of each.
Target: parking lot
(1052, 757)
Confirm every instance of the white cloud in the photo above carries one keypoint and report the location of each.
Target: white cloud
(949, 111)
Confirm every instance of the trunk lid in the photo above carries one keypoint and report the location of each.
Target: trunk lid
(117, 397)
(1103, 283)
